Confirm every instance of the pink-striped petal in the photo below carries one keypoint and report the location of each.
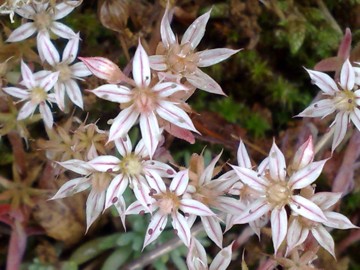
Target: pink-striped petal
(155, 228)
(167, 35)
(196, 30)
(324, 238)
(27, 76)
(59, 89)
(23, 32)
(105, 163)
(47, 49)
(213, 229)
(116, 189)
(306, 175)
(156, 182)
(304, 155)
(123, 145)
(65, 8)
(204, 82)
(355, 117)
(113, 92)
(79, 70)
(180, 182)
(223, 259)
(160, 168)
(321, 108)
(254, 211)
(78, 166)
(230, 205)
(306, 208)
(94, 206)
(141, 192)
(150, 131)
(279, 220)
(196, 257)
(347, 76)
(49, 81)
(26, 11)
(181, 228)
(326, 199)
(243, 156)
(136, 208)
(16, 92)
(340, 125)
(103, 68)
(168, 88)
(46, 114)
(277, 165)
(72, 187)
(74, 93)
(207, 174)
(251, 178)
(190, 206)
(323, 81)
(296, 235)
(71, 49)
(62, 30)
(214, 56)
(173, 114)
(141, 67)
(26, 110)
(338, 221)
(123, 123)
(158, 62)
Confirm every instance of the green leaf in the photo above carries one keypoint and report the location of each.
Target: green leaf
(117, 258)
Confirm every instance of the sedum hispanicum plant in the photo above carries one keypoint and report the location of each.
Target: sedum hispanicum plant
(108, 164)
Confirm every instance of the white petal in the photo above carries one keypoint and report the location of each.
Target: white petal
(26, 11)
(49, 81)
(230, 205)
(115, 190)
(155, 228)
(123, 123)
(113, 92)
(306, 208)
(251, 178)
(59, 89)
(277, 164)
(167, 35)
(17, 92)
(173, 114)
(168, 88)
(321, 108)
(141, 192)
(347, 76)
(105, 163)
(323, 81)
(80, 70)
(204, 82)
(304, 155)
(181, 227)
(72, 187)
(222, 259)
(71, 50)
(141, 67)
(243, 156)
(23, 32)
(123, 145)
(207, 174)
(27, 76)
(326, 199)
(214, 56)
(63, 9)
(180, 182)
(26, 110)
(355, 118)
(196, 30)
(190, 206)
(279, 228)
(47, 49)
(94, 206)
(324, 239)
(62, 30)
(306, 175)
(254, 211)
(150, 131)
(338, 221)
(213, 229)
(74, 93)
(160, 168)
(46, 114)
(296, 235)
(156, 182)
(78, 166)
(157, 62)
(341, 122)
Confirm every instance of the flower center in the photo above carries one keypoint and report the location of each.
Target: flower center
(42, 20)
(167, 202)
(131, 165)
(65, 72)
(38, 95)
(278, 193)
(182, 59)
(345, 100)
(145, 99)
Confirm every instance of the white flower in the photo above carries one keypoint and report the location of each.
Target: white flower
(67, 73)
(342, 97)
(36, 94)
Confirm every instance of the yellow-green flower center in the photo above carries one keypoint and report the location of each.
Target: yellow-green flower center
(42, 20)
(182, 59)
(278, 193)
(345, 100)
(65, 71)
(131, 165)
(38, 95)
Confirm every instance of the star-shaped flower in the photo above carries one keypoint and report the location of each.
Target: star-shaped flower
(181, 59)
(145, 102)
(341, 97)
(43, 20)
(276, 188)
(36, 94)
(67, 73)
